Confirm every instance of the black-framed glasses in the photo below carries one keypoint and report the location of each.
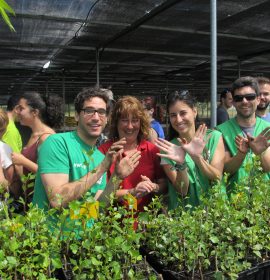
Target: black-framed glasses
(248, 97)
(89, 112)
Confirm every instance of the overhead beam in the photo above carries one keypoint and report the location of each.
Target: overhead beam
(135, 51)
(158, 9)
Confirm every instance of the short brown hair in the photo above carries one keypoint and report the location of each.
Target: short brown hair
(125, 106)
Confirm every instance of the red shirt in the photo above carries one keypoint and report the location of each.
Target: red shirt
(149, 165)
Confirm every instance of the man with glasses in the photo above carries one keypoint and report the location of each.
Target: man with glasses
(69, 164)
(245, 135)
(264, 87)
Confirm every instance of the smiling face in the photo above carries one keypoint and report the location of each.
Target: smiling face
(245, 108)
(25, 113)
(90, 126)
(265, 96)
(182, 118)
(129, 127)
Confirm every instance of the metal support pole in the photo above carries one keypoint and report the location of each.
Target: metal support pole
(47, 89)
(213, 63)
(239, 68)
(97, 63)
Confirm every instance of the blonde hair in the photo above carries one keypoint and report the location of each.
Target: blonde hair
(3, 119)
(125, 106)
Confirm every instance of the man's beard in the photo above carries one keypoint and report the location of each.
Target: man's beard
(261, 108)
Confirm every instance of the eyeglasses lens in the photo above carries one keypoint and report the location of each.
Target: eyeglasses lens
(248, 97)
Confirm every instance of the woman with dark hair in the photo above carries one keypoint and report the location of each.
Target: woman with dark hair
(192, 159)
(129, 121)
(40, 115)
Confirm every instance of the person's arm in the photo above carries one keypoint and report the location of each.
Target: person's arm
(63, 192)
(60, 191)
(233, 163)
(214, 169)
(153, 136)
(3, 180)
(178, 177)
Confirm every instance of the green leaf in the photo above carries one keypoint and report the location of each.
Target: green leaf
(57, 263)
(5, 6)
(214, 239)
(6, 19)
(95, 261)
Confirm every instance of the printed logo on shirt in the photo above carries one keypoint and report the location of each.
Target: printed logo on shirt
(79, 165)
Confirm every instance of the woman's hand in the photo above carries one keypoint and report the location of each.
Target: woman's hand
(195, 147)
(145, 187)
(173, 152)
(17, 158)
(126, 165)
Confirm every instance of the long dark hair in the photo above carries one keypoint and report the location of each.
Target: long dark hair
(185, 97)
(51, 108)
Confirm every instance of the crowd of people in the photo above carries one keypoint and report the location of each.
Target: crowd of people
(132, 157)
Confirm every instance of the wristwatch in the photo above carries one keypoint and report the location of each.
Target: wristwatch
(180, 166)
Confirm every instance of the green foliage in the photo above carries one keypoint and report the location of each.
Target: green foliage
(4, 10)
(220, 238)
(28, 249)
(108, 249)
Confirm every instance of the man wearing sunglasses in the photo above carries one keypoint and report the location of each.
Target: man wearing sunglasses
(70, 167)
(245, 135)
(264, 87)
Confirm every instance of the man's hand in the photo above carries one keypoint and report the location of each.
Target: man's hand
(126, 165)
(113, 151)
(260, 143)
(241, 144)
(173, 152)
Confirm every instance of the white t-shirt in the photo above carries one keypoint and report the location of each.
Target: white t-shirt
(5, 155)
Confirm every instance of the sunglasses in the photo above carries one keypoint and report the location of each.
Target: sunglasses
(248, 97)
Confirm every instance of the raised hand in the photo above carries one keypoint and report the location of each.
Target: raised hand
(116, 148)
(241, 144)
(126, 165)
(260, 143)
(196, 145)
(172, 151)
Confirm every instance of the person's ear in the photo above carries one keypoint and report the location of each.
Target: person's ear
(76, 116)
(195, 112)
(35, 112)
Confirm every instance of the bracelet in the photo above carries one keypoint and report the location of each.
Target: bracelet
(180, 166)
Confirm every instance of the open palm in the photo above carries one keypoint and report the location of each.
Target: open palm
(196, 145)
(172, 151)
(260, 143)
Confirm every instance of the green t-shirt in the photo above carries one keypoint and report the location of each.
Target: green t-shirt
(12, 137)
(198, 182)
(66, 153)
(230, 129)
